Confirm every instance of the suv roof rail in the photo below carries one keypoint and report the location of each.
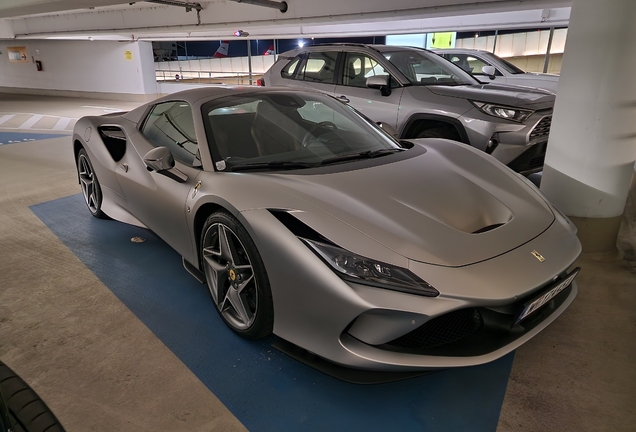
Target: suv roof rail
(342, 44)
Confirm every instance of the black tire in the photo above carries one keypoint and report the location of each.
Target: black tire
(255, 296)
(439, 132)
(27, 412)
(92, 192)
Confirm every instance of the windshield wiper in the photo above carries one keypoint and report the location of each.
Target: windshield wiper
(361, 155)
(272, 165)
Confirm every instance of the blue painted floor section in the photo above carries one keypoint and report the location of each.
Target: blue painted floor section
(264, 389)
(18, 137)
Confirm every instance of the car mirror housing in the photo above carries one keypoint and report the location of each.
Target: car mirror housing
(380, 82)
(159, 159)
(489, 71)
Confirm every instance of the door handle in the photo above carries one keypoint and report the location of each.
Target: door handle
(343, 98)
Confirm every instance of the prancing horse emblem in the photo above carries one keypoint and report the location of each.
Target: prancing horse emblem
(538, 256)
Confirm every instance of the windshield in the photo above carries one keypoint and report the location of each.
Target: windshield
(424, 68)
(289, 130)
(509, 67)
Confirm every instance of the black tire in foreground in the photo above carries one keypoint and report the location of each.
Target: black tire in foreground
(236, 276)
(27, 412)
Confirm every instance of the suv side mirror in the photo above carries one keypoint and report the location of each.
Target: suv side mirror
(380, 82)
(159, 159)
(489, 71)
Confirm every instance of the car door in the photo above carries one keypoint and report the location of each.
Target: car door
(316, 71)
(352, 88)
(158, 199)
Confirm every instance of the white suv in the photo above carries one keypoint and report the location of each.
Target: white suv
(422, 95)
(497, 69)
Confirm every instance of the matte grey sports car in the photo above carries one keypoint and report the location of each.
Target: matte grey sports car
(307, 220)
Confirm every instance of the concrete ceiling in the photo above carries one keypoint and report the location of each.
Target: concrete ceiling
(119, 20)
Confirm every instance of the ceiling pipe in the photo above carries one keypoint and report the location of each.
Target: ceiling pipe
(184, 4)
(281, 6)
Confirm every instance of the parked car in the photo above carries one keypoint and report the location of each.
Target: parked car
(307, 220)
(422, 95)
(498, 69)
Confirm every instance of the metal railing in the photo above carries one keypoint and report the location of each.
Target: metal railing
(206, 77)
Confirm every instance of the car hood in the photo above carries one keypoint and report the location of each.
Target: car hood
(544, 76)
(450, 206)
(521, 97)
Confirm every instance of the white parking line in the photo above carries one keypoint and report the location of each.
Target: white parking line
(30, 122)
(6, 118)
(62, 123)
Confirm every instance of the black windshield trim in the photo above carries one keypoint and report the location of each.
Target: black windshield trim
(352, 165)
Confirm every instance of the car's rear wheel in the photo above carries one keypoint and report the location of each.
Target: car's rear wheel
(91, 189)
(236, 276)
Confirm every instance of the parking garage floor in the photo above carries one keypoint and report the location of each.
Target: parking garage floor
(116, 336)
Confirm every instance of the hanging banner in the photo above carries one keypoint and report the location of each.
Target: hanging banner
(441, 40)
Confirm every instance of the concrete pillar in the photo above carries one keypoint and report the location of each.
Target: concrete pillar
(592, 147)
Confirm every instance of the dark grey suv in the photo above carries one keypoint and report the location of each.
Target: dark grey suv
(422, 95)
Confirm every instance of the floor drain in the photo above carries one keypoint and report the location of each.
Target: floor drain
(137, 239)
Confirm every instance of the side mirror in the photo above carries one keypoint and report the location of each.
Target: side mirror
(489, 71)
(159, 159)
(389, 129)
(380, 82)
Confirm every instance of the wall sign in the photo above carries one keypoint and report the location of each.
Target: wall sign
(17, 54)
(128, 55)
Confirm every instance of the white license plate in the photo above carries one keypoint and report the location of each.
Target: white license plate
(536, 304)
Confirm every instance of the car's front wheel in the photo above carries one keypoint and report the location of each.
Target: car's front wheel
(91, 189)
(236, 276)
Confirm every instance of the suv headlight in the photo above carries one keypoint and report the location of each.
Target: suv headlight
(366, 271)
(504, 112)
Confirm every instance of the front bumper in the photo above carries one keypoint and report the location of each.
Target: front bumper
(496, 337)
(356, 325)
(520, 146)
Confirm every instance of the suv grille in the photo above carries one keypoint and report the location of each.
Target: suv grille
(442, 330)
(542, 129)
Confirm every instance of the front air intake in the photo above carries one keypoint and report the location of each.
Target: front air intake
(441, 330)
(487, 228)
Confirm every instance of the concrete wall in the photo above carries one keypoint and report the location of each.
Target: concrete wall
(101, 69)
(526, 49)
(535, 63)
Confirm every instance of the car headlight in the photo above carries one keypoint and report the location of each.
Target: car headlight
(366, 271)
(504, 112)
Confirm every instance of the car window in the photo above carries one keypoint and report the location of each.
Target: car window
(319, 67)
(317, 112)
(470, 64)
(290, 69)
(170, 124)
(358, 67)
(509, 67)
(287, 127)
(422, 67)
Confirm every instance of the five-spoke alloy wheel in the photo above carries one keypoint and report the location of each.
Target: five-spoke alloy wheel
(236, 276)
(91, 190)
